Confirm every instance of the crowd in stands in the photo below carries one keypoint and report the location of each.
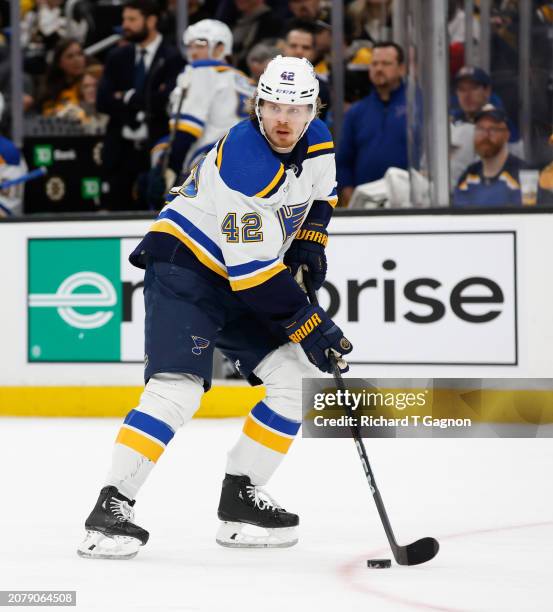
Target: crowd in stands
(122, 90)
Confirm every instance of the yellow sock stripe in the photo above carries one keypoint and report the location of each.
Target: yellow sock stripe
(267, 438)
(140, 444)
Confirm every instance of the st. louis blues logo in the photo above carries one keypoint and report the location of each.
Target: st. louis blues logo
(199, 344)
(291, 218)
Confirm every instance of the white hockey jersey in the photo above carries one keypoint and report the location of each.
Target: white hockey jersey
(242, 205)
(12, 166)
(214, 100)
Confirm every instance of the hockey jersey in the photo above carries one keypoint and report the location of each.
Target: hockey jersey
(12, 166)
(215, 97)
(239, 210)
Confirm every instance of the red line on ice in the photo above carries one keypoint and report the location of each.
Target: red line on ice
(348, 570)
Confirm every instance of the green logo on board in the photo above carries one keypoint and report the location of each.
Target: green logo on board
(75, 299)
(43, 155)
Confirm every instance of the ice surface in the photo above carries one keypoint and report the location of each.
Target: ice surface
(489, 502)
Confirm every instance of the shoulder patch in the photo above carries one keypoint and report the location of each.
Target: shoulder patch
(246, 163)
(319, 139)
(9, 152)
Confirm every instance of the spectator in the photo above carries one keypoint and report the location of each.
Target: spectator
(62, 80)
(48, 23)
(258, 58)
(94, 120)
(494, 180)
(5, 86)
(456, 21)
(545, 185)
(12, 166)
(168, 21)
(308, 10)
(323, 49)
(371, 19)
(134, 92)
(256, 23)
(374, 134)
(300, 42)
(473, 90)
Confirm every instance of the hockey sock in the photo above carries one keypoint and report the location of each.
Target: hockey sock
(263, 444)
(139, 444)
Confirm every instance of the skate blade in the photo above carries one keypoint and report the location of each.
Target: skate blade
(233, 535)
(97, 545)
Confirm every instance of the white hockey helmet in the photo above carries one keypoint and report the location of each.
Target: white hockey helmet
(288, 80)
(211, 30)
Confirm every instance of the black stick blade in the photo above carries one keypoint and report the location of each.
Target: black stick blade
(418, 552)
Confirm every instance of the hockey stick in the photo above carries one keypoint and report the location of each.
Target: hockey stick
(172, 135)
(417, 552)
(24, 178)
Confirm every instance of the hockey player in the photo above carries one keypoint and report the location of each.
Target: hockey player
(219, 263)
(12, 166)
(210, 97)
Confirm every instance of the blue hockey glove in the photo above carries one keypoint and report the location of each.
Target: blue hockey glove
(156, 188)
(308, 249)
(318, 334)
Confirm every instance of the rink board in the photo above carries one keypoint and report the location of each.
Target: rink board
(460, 296)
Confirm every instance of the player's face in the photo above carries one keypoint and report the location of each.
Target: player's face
(197, 50)
(284, 123)
(490, 136)
(472, 96)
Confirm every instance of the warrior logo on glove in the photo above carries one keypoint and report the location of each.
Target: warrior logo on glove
(317, 333)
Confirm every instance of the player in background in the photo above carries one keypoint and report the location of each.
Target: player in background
(210, 97)
(12, 166)
(219, 263)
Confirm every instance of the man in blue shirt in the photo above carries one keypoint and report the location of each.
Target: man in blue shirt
(494, 180)
(374, 134)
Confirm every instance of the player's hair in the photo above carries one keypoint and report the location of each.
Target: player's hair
(389, 43)
(146, 7)
(251, 107)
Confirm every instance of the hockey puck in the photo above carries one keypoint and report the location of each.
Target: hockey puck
(379, 563)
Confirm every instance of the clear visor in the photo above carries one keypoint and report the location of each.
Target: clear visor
(292, 113)
(198, 42)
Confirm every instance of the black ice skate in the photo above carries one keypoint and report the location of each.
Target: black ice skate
(110, 532)
(245, 504)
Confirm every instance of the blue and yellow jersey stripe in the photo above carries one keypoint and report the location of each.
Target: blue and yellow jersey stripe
(247, 165)
(322, 148)
(511, 182)
(209, 254)
(275, 184)
(332, 199)
(206, 251)
(268, 428)
(253, 273)
(319, 140)
(188, 123)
